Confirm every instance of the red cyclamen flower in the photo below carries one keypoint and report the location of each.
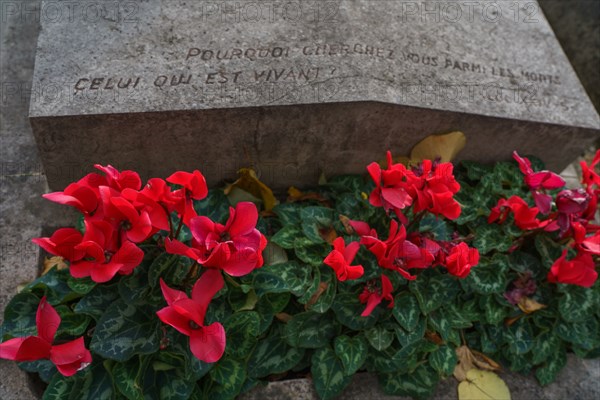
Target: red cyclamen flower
(194, 187)
(571, 205)
(434, 187)
(589, 175)
(62, 243)
(579, 271)
(132, 224)
(372, 295)
(525, 216)
(340, 259)
(103, 257)
(536, 181)
(120, 180)
(235, 247)
(68, 357)
(187, 316)
(82, 194)
(397, 253)
(391, 186)
(461, 259)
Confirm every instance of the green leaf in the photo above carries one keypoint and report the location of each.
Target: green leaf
(548, 371)
(489, 276)
(215, 206)
(72, 324)
(314, 219)
(351, 351)
(458, 319)
(348, 308)
(288, 213)
(273, 254)
(312, 254)
(242, 330)
(19, 315)
(349, 183)
(549, 250)
(124, 331)
(230, 375)
(326, 298)
(161, 264)
(161, 381)
(577, 303)
(134, 288)
(419, 384)
(277, 278)
(406, 311)
(286, 236)
(273, 355)
(54, 286)
(435, 225)
(126, 377)
(442, 325)
(406, 338)
(81, 285)
(97, 301)
(585, 334)
(494, 311)
(313, 286)
(241, 301)
(45, 368)
(433, 293)
(519, 337)
(476, 170)
(309, 330)
(328, 373)
(544, 346)
(379, 337)
(93, 383)
(491, 237)
(523, 262)
(443, 360)
(65, 388)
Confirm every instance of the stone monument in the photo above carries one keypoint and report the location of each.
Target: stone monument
(294, 88)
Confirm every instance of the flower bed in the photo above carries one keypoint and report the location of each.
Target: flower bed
(417, 273)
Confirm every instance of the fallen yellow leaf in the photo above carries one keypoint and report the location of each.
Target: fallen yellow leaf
(55, 261)
(484, 362)
(528, 305)
(469, 359)
(444, 146)
(295, 194)
(483, 385)
(249, 182)
(465, 363)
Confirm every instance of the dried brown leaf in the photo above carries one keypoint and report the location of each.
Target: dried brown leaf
(283, 317)
(322, 288)
(529, 306)
(55, 261)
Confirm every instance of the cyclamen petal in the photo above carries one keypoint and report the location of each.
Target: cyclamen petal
(170, 316)
(208, 343)
(242, 220)
(47, 321)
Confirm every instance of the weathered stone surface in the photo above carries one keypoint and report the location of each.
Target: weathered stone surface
(576, 26)
(299, 87)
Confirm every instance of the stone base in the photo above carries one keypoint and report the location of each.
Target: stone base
(288, 145)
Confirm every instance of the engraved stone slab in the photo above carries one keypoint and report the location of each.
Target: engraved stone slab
(297, 87)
